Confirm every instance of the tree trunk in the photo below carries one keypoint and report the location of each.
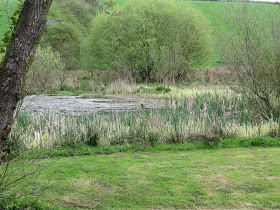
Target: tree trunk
(18, 58)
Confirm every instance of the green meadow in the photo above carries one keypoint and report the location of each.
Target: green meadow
(244, 178)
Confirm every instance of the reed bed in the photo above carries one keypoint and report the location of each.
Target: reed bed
(203, 117)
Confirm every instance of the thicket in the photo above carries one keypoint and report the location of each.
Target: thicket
(148, 40)
(65, 39)
(46, 72)
(68, 23)
(251, 50)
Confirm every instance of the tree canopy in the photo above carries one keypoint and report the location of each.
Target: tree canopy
(148, 40)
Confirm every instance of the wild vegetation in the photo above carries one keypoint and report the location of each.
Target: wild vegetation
(212, 67)
(149, 40)
(207, 118)
(47, 66)
(253, 56)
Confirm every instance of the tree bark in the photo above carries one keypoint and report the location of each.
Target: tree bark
(18, 58)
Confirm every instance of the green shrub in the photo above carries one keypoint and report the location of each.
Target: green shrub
(68, 23)
(148, 40)
(63, 87)
(46, 71)
(65, 38)
(162, 89)
(80, 13)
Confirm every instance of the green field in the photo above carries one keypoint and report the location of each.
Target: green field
(214, 11)
(210, 9)
(245, 178)
(4, 26)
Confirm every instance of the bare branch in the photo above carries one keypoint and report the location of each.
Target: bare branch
(104, 9)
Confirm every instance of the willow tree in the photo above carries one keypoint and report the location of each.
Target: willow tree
(19, 52)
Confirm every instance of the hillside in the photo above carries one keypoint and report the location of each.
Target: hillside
(75, 18)
(68, 23)
(4, 26)
(60, 11)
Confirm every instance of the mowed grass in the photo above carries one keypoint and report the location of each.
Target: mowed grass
(227, 178)
(215, 13)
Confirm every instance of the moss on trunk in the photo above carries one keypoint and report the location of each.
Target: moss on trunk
(18, 58)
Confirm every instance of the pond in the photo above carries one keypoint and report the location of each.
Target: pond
(81, 104)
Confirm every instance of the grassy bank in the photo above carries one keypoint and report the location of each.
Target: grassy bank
(85, 149)
(225, 178)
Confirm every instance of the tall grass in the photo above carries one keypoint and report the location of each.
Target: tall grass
(207, 117)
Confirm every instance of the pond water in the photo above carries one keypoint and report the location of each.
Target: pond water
(78, 104)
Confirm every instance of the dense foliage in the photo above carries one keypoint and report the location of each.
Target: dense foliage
(46, 71)
(148, 40)
(65, 38)
(69, 22)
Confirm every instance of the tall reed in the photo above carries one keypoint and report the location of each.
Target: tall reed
(181, 120)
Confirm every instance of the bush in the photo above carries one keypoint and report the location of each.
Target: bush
(46, 71)
(250, 47)
(68, 23)
(64, 38)
(148, 40)
(80, 13)
(163, 89)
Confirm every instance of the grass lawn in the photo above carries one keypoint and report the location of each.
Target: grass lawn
(225, 178)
